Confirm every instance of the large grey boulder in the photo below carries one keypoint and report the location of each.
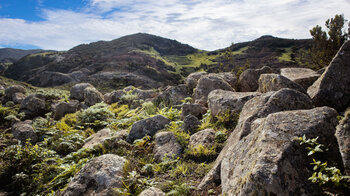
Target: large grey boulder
(196, 110)
(204, 137)
(15, 93)
(77, 91)
(332, 88)
(23, 131)
(258, 107)
(275, 82)
(92, 96)
(208, 83)
(221, 101)
(152, 192)
(270, 161)
(191, 123)
(114, 96)
(33, 105)
(303, 76)
(248, 80)
(192, 80)
(62, 108)
(173, 95)
(343, 137)
(98, 177)
(229, 77)
(149, 126)
(166, 146)
(145, 94)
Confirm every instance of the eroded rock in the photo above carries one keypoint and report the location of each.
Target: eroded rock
(196, 110)
(92, 96)
(205, 138)
(33, 105)
(62, 108)
(248, 80)
(166, 146)
(77, 91)
(303, 76)
(343, 137)
(275, 82)
(23, 131)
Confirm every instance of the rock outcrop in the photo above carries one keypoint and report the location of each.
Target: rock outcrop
(196, 110)
(15, 93)
(248, 80)
(23, 131)
(148, 126)
(343, 137)
(92, 96)
(33, 105)
(258, 107)
(205, 138)
(275, 82)
(303, 76)
(166, 146)
(269, 161)
(77, 91)
(208, 83)
(222, 101)
(62, 108)
(191, 123)
(191, 80)
(332, 88)
(98, 177)
(173, 95)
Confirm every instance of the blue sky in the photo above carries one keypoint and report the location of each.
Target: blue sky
(63, 24)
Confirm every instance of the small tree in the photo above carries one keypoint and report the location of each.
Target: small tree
(326, 44)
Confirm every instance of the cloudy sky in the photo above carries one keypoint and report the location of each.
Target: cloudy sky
(204, 24)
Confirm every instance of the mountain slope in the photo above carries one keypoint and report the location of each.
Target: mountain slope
(150, 61)
(15, 54)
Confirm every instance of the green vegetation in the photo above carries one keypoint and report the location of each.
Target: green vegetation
(323, 174)
(286, 55)
(327, 43)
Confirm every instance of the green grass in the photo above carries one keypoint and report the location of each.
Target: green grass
(286, 56)
(240, 51)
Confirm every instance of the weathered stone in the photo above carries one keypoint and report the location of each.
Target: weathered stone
(152, 192)
(229, 77)
(23, 131)
(191, 123)
(275, 82)
(206, 84)
(92, 96)
(166, 146)
(248, 80)
(192, 80)
(49, 78)
(303, 76)
(333, 87)
(148, 126)
(269, 161)
(145, 94)
(114, 96)
(196, 110)
(98, 177)
(222, 101)
(173, 95)
(343, 137)
(77, 91)
(14, 89)
(33, 105)
(105, 136)
(17, 98)
(258, 107)
(62, 108)
(205, 138)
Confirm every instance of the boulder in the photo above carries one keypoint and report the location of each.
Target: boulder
(173, 95)
(166, 146)
(23, 131)
(303, 76)
(270, 162)
(196, 110)
(258, 107)
(229, 77)
(332, 88)
(77, 91)
(191, 123)
(17, 98)
(49, 78)
(152, 192)
(208, 83)
(343, 137)
(62, 108)
(104, 135)
(248, 80)
(205, 138)
(92, 96)
(98, 177)
(33, 105)
(149, 126)
(192, 80)
(145, 94)
(222, 101)
(275, 82)
(114, 96)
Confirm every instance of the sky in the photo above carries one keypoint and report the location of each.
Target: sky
(204, 24)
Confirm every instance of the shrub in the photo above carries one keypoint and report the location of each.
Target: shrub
(96, 116)
(201, 153)
(181, 136)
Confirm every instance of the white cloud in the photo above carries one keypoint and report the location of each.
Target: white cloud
(200, 23)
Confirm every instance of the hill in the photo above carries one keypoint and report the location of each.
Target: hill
(150, 61)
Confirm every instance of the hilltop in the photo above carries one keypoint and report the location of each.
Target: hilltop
(150, 61)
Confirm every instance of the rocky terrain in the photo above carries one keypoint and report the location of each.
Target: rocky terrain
(270, 130)
(149, 61)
